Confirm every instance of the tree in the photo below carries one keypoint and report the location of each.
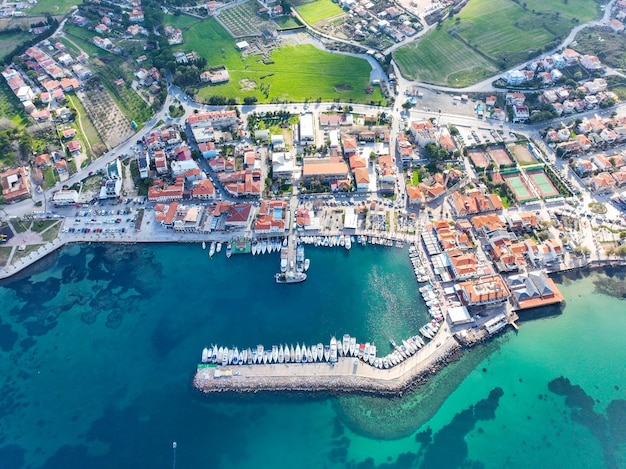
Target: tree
(250, 100)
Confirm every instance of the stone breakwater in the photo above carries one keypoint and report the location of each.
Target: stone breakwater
(347, 376)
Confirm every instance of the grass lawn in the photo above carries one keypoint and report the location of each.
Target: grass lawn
(10, 106)
(318, 10)
(50, 177)
(5, 252)
(287, 22)
(293, 75)
(8, 41)
(52, 233)
(41, 225)
(20, 226)
(54, 7)
(82, 38)
(495, 33)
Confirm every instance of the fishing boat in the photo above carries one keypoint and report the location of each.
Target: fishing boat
(212, 249)
(345, 345)
(203, 245)
(352, 348)
(372, 356)
(229, 250)
(290, 277)
(333, 349)
(205, 355)
(409, 347)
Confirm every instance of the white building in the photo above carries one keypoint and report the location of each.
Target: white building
(307, 133)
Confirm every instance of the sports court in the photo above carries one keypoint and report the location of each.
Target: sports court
(478, 157)
(499, 155)
(542, 183)
(518, 186)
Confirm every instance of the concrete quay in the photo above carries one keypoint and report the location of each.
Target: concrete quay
(348, 375)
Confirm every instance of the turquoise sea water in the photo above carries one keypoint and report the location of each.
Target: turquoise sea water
(97, 353)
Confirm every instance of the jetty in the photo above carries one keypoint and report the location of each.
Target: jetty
(346, 375)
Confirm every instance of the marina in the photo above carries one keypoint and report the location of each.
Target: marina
(335, 373)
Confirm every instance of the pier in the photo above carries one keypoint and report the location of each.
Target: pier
(347, 375)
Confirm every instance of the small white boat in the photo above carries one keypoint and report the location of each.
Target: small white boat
(298, 354)
(352, 348)
(292, 354)
(203, 245)
(274, 353)
(320, 352)
(366, 352)
(212, 249)
(345, 345)
(314, 353)
(205, 355)
(372, 354)
(219, 247)
(326, 352)
(307, 264)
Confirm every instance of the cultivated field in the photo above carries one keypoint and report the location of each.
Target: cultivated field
(499, 155)
(243, 20)
(289, 73)
(8, 42)
(317, 10)
(501, 33)
(478, 157)
(522, 154)
(441, 58)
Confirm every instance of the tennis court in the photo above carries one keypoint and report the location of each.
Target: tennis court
(499, 155)
(542, 183)
(478, 157)
(518, 186)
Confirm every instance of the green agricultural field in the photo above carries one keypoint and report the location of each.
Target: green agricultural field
(293, 73)
(54, 7)
(443, 59)
(318, 10)
(500, 33)
(90, 132)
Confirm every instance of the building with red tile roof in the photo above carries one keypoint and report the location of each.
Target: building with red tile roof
(532, 290)
(490, 289)
(203, 189)
(15, 184)
(161, 191)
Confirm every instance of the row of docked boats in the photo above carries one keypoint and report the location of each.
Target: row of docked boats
(420, 271)
(344, 241)
(267, 246)
(213, 248)
(276, 354)
(431, 298)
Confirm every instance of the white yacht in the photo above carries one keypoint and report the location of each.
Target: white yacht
(320, 352)
(352, 347)
(345, 345)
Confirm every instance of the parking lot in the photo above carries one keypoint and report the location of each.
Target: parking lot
(110, 221)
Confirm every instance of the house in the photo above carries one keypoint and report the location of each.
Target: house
(349, 145)
(271, 217)
(521, 113)
(583, 141)
(415, 196)
(74, 147)
(590, 62)
(515, 98)
(473, 203)
(603, 183)
(203, 189)
(68, 133)
(615, 25)
(514, 77)
(325, 169)
(163, 192)
(463, 266)
(584, 167)
(423, 132)
(238, 215)
(15, 184)
(362, 179)
(216, 119)
(602, 162)
(620, 177)
(486, 290)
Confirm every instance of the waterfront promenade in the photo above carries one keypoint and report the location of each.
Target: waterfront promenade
(348, 375)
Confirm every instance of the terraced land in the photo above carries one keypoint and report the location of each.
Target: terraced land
(494, 35)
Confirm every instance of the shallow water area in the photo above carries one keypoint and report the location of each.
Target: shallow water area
(97, 354)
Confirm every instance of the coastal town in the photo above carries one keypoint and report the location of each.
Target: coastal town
(489, 190)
